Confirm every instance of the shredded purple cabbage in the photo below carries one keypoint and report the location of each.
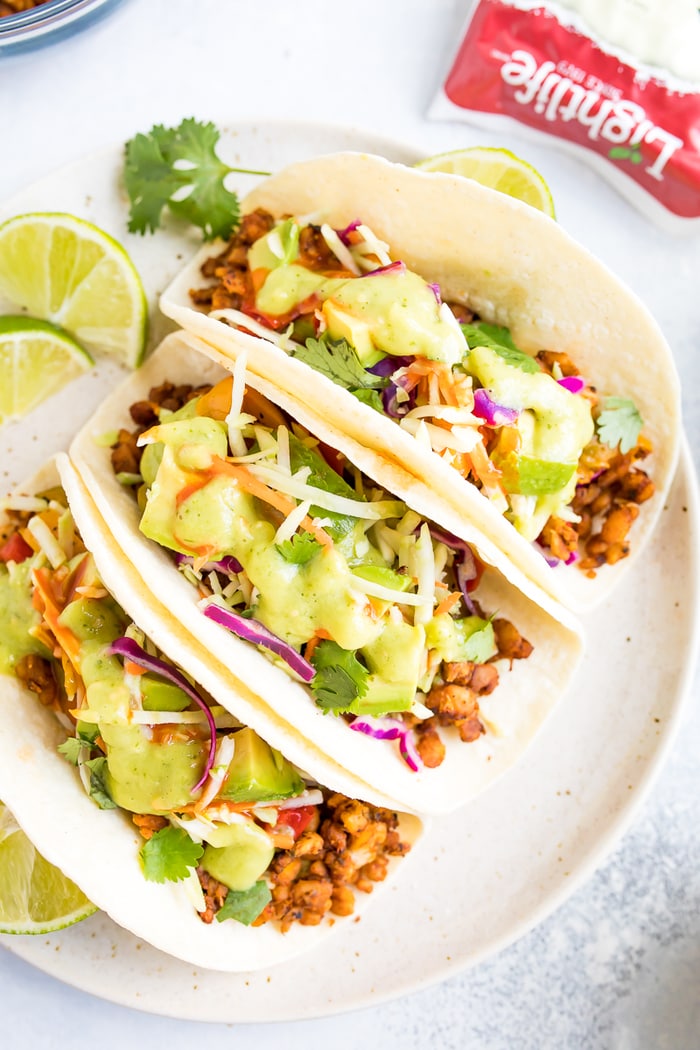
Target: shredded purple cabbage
(129, 649)
(386, 368)
(388, 365)
(546, 554)
(493, 414)
(393, 267)
(435, 289)
(343, 234)
(465, 572)
(390, 729)
(449, 539)
(409, 752)
(227, 564)
(251, 630)
(378, 728)
(574, 384)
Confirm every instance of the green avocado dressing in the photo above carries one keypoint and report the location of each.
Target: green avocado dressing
(554, 426)
(395, 312)
(144, 774)
(18, 617)
(294, 601)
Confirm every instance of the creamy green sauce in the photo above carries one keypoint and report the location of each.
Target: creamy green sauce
(18, 617)
(387, 313)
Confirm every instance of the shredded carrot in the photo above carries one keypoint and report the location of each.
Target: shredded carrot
(447, 603)
(65, 638)
(285, 505)
(131, 668)
(320, 635)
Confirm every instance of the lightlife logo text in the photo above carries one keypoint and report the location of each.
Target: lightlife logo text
(559, 98)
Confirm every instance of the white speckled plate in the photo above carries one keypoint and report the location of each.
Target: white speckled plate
(484, 875)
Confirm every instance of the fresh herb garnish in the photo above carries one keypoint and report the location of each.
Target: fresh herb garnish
(300, 549)
(169, 855)
(338, 361)
(178, 168)
(369, 397)
(340, 677)
(71, 749)
(323, 476)
(619, 423)
(497, 338)
(245, 905)
(98, 787)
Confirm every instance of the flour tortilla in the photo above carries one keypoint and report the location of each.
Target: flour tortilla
(513, 266)
(98, 849)
(516, 710)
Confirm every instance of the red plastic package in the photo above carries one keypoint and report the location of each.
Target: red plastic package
(535, 64)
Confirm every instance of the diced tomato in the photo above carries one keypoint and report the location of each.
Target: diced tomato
(476, 580)
(15, 549)
(297, 820)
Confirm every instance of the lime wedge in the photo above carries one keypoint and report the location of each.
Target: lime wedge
(68, 271)
(35, 897)
(36, 360)
(499, 169)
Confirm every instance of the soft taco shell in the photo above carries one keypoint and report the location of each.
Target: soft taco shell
(98, 849)
(517, 708)
(510, 264)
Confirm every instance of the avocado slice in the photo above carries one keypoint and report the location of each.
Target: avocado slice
(258, 773)
(245, 856)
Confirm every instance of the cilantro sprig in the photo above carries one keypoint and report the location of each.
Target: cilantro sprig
(619, 423)
(245, 905)
(169, 855)
(498, 338)
(338, 361)
(76, 750)
(300, 549)
(340, 677)
(178, 168)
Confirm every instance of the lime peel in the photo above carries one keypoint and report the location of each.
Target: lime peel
(35, 896)
(68, 271)
(36, 360)
(498, 169)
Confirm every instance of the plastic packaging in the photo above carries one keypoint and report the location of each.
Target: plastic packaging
(540, 66)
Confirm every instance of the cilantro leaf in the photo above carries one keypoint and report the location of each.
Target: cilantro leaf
(338, 361)
(369, 397)
(498, 339)
(71, 749)
(619, 423)
(169, 855)
(245, 905)
(300, 549)
(178, 168)
(98, 787)
(340, 678)
(323, 476)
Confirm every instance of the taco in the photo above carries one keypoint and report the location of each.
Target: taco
(315, 572)
(465, 336)
(133, 777)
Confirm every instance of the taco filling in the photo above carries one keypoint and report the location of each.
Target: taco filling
(292, 549)
(534, 436)
(219, 809)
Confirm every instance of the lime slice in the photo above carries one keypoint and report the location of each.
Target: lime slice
(35, 897)
(36, 360)
(67, 271)
(499, 169)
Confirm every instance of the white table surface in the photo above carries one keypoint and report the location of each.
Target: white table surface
(618, 966)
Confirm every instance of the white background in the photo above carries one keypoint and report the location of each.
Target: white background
(618, 965)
